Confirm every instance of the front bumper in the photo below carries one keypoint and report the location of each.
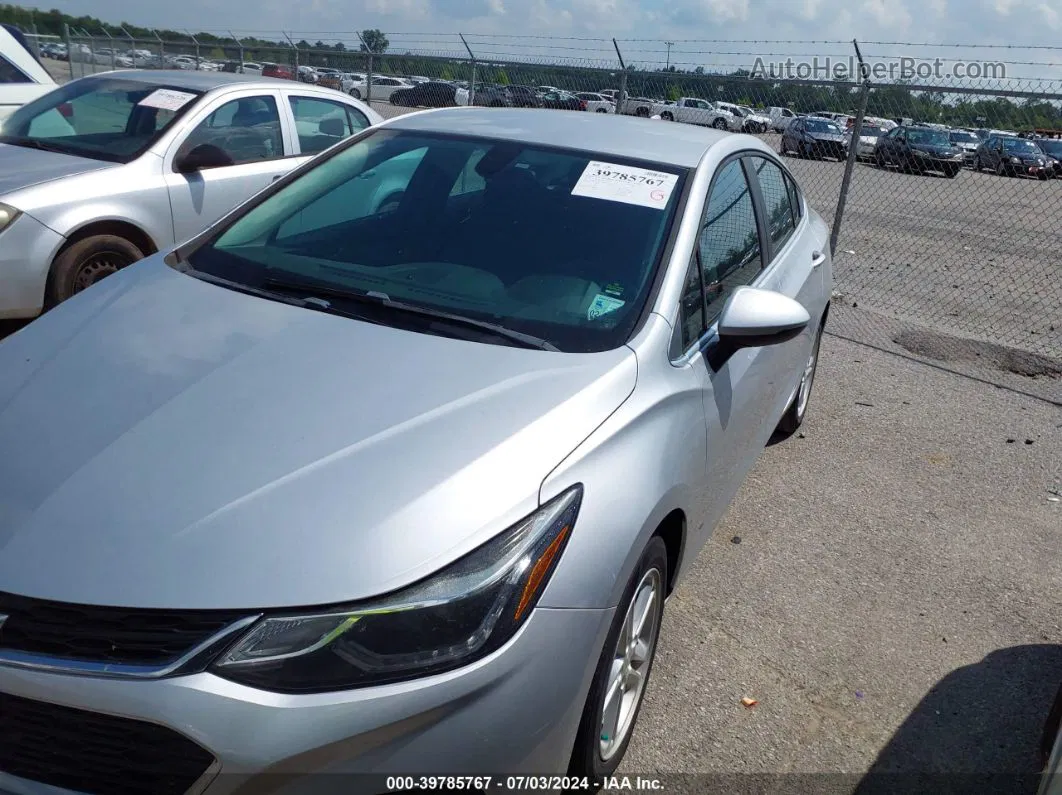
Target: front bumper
(515, 712)
(27, 248)
(830, 149)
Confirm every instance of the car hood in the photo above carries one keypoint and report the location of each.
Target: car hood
(937, 151)
(21, 167)
(171, 443)
(826, 137)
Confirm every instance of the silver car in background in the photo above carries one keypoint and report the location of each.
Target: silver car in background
(106, 169)
(383, 475)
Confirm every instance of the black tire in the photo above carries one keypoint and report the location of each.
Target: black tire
(1001, 170)
(586, 757)
(781, 147)
(82, 264)
(355, 93)
(602, 110)
(643, 112)
(879, 159)
(797, 409)
(719, 124)
(667, 116)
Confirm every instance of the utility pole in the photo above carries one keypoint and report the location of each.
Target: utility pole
(669, 44)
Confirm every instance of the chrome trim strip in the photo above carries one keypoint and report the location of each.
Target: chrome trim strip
(58, 665)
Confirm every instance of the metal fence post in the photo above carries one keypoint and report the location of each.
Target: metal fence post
(621, 98)
(69, 49)
(195, 41)
(239, 44)
(162, 50)
(132, 46)
(368, 71)
(853, 151)
(472, 84)
(114, 54)
(295, 54)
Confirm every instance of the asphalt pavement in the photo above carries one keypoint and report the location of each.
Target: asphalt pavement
(885, 587)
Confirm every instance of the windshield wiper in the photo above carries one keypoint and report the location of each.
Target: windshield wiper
(33, 143)
(309, 302)
(312, 289)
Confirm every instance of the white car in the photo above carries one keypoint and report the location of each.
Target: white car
(597, 103)
(780, 118)
(185, 62)
(22, 77)
(755, 121)
(382, 87)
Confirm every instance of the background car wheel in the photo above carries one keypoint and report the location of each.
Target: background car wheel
(1001, 170)
(619, 683)
(643, 112)
(879, 160)
(355, 93)
(719, 124)
(602, 110)
(86, 262)
(667, 116)
(794, 414)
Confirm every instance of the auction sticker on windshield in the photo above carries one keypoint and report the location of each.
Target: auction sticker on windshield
(167, 99)
(627, 184)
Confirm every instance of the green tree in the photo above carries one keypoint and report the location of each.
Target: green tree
(673, 92)
(502, 78)
(374, 41)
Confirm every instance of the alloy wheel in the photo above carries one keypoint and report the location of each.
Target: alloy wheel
(630, 664)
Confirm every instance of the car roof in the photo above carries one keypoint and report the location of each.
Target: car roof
(194, 81)
(681, 145)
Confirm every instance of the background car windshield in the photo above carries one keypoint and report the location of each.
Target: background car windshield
(822, 126)
(100, 118)
(1020, 145)
(927, 137)
(964, 138)
(1052, 147)
(872, 132)
(488, 229)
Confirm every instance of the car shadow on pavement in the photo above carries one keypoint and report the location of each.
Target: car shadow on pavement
(8, 327)
(978, 730)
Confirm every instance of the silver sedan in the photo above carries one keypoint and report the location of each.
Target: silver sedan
(104, 170)
(384, 475)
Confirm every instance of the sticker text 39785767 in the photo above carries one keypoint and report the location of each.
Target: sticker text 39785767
(627, 184)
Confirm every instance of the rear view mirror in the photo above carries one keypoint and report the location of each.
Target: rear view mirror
(201, 158)
(753, 318)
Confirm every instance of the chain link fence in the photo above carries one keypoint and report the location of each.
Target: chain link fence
(942, 188)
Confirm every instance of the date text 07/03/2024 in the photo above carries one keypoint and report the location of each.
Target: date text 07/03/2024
(520, 783)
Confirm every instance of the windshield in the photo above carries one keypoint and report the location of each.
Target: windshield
(963, 138)
(821, 126)
(872, 132)
(1020, 145)
(927, 137)
(103, 118)
(490, 230)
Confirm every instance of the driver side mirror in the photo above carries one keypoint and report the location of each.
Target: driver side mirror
(754, 318)
(201, 158)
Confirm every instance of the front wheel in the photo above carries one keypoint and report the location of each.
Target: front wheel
(797, 409)
(618, 687)
(355, 93)
(667, 117)
(719, 124)
(86, 262)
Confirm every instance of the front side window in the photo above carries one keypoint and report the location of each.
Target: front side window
(103, 118)
(320, 123)
(467, 226)
(728, 246)
(246, 130)
(777, 202)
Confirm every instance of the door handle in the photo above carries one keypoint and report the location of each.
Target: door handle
(817, 258)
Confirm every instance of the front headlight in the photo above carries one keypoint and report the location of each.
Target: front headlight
(921, 153)
(8, 215)
(458, 615)
(1016, 160)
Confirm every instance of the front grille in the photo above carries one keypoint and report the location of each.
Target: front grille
(105, 634)
(95, 753)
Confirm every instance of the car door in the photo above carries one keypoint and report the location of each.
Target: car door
(248, 129)
(889, 150)
(730, 253)
(794, 268)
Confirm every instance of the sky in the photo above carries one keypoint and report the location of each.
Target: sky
(702, 31)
